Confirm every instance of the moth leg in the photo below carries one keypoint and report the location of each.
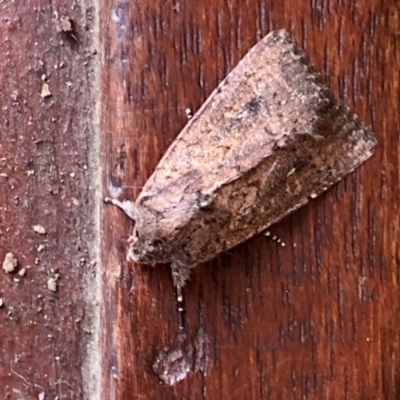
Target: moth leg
(127, 206)
(274, 238)
(180, 275)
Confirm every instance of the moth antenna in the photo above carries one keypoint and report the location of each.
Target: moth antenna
(127, 206)
(275, 238)
(180, 276)
(180, 307)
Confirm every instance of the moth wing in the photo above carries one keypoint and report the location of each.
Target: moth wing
(269, 137)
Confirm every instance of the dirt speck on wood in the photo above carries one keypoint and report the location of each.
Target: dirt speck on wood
(40, 248)
(39, 229)
(10, 263)
(63, 23)
(52, 284)
(45, 91)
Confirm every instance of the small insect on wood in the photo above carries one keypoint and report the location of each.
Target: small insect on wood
(268, 139)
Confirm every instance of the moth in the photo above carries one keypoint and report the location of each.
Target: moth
(268, 139)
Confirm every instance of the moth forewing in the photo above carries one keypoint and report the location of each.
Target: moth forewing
(268, 139)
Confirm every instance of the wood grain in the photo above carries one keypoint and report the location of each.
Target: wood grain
(47, 178)
(316, 319)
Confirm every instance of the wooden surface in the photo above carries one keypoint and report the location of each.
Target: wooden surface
(47, 178)
(317, 319)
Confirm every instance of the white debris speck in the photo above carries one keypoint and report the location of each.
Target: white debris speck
(45, 91)
(39, 229)
(40, 248)
(52, 284)
(10, 263)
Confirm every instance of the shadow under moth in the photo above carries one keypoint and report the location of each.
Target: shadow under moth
(268, 139)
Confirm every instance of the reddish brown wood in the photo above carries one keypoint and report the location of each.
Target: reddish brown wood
(317, 319)
(47, 178)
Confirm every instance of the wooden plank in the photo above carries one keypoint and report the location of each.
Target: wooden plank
(47, 178)
(316, 319)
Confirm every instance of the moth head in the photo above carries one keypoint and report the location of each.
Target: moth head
(146, 248)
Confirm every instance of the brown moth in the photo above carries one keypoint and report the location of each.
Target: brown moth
(268, 139)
